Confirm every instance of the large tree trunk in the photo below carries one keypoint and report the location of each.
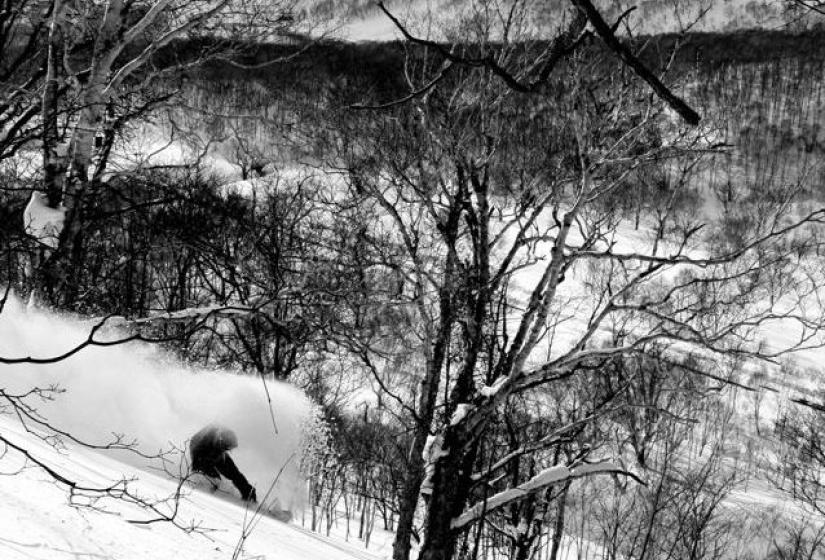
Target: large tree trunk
(452, 477)
(414, 475)
(428, 395)
(406, 513)
(451, 489)
(58, 278)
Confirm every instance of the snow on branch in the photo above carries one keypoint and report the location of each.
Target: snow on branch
(433, 451)
(544, 479)
(189, 314)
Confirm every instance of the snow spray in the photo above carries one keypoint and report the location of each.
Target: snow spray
(142, 393)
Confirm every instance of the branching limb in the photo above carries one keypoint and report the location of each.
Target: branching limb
(608, 36)
(549, 477)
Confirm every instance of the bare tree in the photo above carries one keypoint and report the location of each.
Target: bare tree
(91, 65)
(490, 189)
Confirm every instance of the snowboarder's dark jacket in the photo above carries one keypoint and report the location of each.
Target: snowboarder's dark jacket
(209, 449)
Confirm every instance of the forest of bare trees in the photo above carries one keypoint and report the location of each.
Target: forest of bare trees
(544, 283)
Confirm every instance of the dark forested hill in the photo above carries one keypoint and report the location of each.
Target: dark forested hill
(375, 68)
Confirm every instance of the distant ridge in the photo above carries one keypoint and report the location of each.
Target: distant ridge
(381, 63)
(361, 20)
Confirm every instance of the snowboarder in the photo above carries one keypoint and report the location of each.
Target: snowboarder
(209, 449)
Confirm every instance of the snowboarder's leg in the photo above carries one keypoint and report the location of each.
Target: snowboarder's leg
(228, 469)
(209, 470)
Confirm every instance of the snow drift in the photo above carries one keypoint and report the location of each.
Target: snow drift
(43, 222)
(139, 391)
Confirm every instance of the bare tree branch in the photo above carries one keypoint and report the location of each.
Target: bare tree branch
(606, 33)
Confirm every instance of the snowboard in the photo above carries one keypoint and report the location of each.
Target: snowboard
(224, 490)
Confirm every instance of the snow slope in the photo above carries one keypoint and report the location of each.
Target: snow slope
(138, 391)
(36, 521)
(148, 397)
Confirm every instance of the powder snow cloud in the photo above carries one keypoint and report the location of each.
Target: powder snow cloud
(139, 391)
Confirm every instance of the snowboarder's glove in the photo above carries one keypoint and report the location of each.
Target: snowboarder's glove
(251, 496)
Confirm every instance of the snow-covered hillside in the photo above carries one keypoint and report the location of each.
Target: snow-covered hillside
(37, 522)
(136, 391)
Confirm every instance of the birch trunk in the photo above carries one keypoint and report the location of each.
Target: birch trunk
(54, 164)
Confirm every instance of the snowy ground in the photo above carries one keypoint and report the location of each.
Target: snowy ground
(137, 391)
(37, 522)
